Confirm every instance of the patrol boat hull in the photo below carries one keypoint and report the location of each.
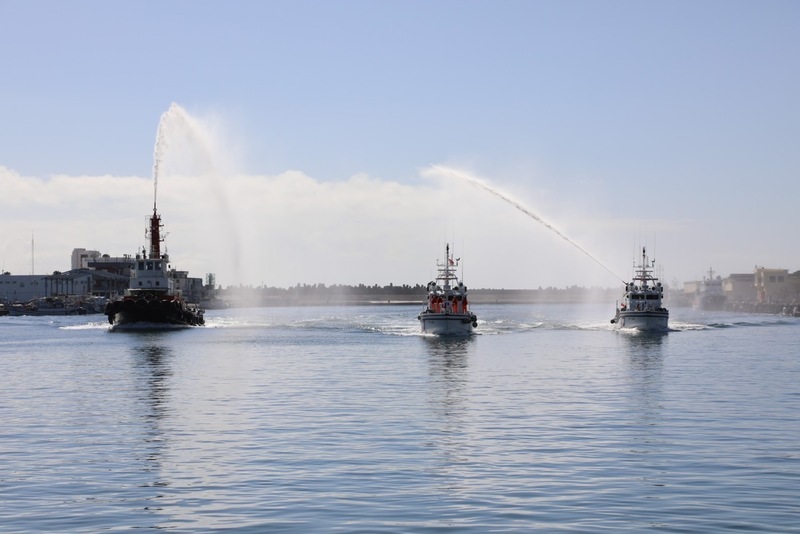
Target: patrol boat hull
(447, 324)
(642, 320)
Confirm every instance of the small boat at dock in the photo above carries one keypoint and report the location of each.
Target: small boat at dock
(447, 307)
(47, 306)
(641, 307)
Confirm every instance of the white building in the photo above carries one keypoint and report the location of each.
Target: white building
(81, 257)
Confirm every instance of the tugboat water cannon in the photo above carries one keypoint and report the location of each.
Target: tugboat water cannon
(152, 299)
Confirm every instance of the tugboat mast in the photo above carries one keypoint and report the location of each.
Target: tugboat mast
(155, 235)
(154, 232)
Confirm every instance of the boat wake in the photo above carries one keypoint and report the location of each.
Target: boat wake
(368, 324)
(402, 322)
(395, 324)
(768, 321)
(94, 325)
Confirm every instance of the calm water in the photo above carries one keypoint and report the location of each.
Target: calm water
(347, 420)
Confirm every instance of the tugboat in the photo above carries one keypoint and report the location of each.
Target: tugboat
(152, 300)
(641, 307)
(447, 310)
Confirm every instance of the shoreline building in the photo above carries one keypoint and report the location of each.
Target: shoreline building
(773, 286)
(740, 288)
(92, 275)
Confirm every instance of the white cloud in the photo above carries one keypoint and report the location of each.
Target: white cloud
(292, 228)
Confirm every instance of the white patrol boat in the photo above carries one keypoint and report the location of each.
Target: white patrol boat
(641, 307)
(447, 309)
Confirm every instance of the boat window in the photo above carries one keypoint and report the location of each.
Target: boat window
(149, 265)
(158, 283)
(652, 297)
(158, 266)
(141, 266)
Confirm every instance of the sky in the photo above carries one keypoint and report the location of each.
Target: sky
(332, 141)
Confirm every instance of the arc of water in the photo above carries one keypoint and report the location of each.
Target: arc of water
(483, 185)
(158, 151)
(175, 127)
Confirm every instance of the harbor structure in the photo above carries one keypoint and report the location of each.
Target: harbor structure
(740, 287)
(94, 275)
(81, 258)
(773, 286)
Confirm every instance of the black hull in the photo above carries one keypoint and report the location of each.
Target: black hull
(154, 312)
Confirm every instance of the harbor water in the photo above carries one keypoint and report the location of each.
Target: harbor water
(347, 419)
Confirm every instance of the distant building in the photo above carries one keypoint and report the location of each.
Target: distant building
(794, 286)
(690, 288)
(81, 257)
(191, 288)
(773, 286)
(740, 287)
(121, 265)
(21, 287)
(108, 284)
(98, 275)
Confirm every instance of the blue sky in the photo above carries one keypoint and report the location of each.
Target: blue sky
(623, 122)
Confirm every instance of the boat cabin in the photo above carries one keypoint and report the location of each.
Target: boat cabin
(151, 274)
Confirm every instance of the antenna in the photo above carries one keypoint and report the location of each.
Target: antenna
(655, 242)
(461, 264)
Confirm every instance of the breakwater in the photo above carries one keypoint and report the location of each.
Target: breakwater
(791, 309)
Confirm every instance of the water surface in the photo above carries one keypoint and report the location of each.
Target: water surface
(346, 419)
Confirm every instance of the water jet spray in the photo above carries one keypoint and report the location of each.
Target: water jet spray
(483, 185)
(189, 143)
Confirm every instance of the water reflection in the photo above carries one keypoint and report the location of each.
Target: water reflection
(152, 362)
(645, 404)
(447, 359)
(645, 349)
(645, 361)
(448, 368)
